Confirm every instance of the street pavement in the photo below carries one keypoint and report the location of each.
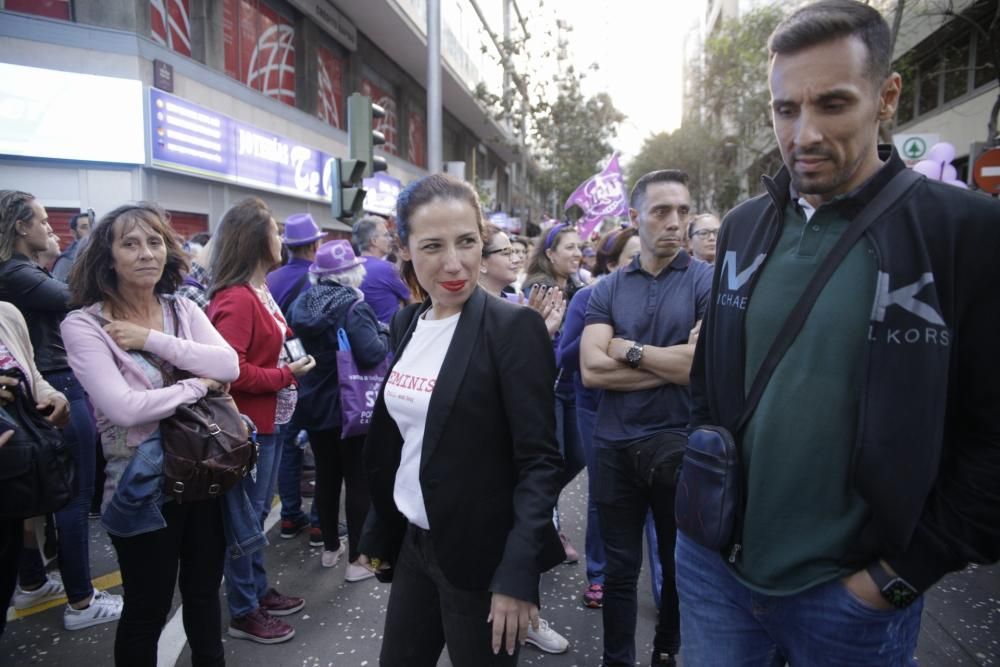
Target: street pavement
(341, 625)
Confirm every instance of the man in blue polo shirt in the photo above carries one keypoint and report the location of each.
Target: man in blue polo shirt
(637, 346)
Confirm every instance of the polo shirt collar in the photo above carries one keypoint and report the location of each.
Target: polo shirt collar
(680, 263)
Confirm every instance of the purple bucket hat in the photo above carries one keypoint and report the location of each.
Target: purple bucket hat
(335, 257)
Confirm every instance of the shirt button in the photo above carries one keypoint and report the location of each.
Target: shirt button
(815, 228)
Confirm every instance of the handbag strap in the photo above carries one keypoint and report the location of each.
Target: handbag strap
(894, 191)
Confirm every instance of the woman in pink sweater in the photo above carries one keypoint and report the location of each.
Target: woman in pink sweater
(129, 333)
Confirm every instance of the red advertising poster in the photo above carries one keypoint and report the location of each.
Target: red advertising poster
(53, 9)
(171, 24)
(330, 102)
(387, 125)
(417, 135)
(259, 48)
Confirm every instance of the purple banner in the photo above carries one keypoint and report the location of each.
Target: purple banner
(191, 139)
(600, 196)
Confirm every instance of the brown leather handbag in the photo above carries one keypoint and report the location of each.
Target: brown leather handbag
(208, 446)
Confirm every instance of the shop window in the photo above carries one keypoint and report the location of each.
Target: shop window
(986, 71)
(170, 24)
(259, 48)
(956, 71)
(330, 100)
(53, 9)
(388, 125)
(928, 96)
(417, 138)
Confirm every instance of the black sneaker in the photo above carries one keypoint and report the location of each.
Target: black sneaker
(292, 527)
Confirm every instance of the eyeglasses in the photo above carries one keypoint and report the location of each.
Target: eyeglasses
(705, 233)
(506, 252)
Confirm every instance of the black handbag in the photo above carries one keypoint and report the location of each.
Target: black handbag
(37, 474)
(711, 495)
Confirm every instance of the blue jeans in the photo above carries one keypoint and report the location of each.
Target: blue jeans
(594, 545)
(624, 499)
(246, 579)
(290, 476)
(568, 436)
(80, 436)
(726, 623)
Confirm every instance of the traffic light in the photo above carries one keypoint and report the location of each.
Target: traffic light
(361, 114)
(346, 196)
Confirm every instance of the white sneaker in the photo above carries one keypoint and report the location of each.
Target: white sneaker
(357, 572)
(52, 589)
(104, 608)
(546, 638)
(331, 558)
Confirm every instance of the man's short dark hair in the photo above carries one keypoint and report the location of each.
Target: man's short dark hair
(76, 219)
(660, 176)
(829, 20)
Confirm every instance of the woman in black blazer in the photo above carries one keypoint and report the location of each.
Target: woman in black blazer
(462, 460)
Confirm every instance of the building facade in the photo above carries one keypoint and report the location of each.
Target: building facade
(197, 104)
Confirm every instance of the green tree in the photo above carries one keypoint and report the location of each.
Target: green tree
(728, 131)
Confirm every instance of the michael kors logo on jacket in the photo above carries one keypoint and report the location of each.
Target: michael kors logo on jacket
(734, 281)
(905, 298)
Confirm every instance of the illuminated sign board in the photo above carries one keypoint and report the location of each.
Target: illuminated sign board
(70, 116)
(191, 139)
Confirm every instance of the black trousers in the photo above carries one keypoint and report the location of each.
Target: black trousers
(189, 552)
(11, 543)
(624, 496)
(426, 612)
(340, 462)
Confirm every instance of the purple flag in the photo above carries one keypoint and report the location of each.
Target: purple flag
(600, 196)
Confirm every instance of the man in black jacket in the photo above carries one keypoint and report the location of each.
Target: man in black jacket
(871, 462)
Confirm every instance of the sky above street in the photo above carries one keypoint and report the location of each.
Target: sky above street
(639, 47)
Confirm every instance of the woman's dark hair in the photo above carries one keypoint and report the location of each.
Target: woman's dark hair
(420, 193)
(610, 247)
(491, 231)
(241, 243)
(540, 267)
(93, 278)
(15, 207)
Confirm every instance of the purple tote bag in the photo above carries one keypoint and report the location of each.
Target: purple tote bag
(358, 388)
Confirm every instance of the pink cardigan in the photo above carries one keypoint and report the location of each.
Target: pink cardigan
(119, 390)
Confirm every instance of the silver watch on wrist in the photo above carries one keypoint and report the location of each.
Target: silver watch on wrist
(634, 355)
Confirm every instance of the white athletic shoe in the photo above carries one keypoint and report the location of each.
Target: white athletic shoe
(104, 608)
(546, 638)
(357, 572)
(52, 589)
(331, 558)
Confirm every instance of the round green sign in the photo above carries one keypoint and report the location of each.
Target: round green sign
(914, 148)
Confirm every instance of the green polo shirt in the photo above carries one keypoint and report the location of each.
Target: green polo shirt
(802, 510)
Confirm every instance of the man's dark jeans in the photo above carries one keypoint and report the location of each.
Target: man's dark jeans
(623, 499)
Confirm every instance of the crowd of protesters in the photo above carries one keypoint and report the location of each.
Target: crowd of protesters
(560, 353)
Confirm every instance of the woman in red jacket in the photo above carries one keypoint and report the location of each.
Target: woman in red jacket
(246, 247)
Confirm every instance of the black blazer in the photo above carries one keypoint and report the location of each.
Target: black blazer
(490, 466)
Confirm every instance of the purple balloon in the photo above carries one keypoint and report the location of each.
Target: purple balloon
(949, 173)
(941, 152)
(928, 168)
(957, 183)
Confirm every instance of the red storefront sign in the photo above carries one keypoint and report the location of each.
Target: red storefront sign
(387, 125)
(259, 48)
(330, 102)
(171, 24)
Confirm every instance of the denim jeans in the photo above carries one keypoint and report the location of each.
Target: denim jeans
(624, 499)
(246, 579)
(594, 545)
(426, 612)
(290, 475)
(568, 435)
(726, 623)
(72, 522)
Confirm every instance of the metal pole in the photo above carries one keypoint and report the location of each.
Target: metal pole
(434, 138)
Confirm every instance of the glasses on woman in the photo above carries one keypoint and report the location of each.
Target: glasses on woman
(705, 233)
(506, 252)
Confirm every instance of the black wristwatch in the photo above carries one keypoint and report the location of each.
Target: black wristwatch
(634, 355)
(896, 590)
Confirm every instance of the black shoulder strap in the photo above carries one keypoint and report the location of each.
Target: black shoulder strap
(896, 188)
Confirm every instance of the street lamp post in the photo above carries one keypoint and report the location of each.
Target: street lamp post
(434, 143)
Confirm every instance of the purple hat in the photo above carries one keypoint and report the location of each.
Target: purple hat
(334, 257)
(301, 229)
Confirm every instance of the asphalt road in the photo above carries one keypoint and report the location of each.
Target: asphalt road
(341, 625)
